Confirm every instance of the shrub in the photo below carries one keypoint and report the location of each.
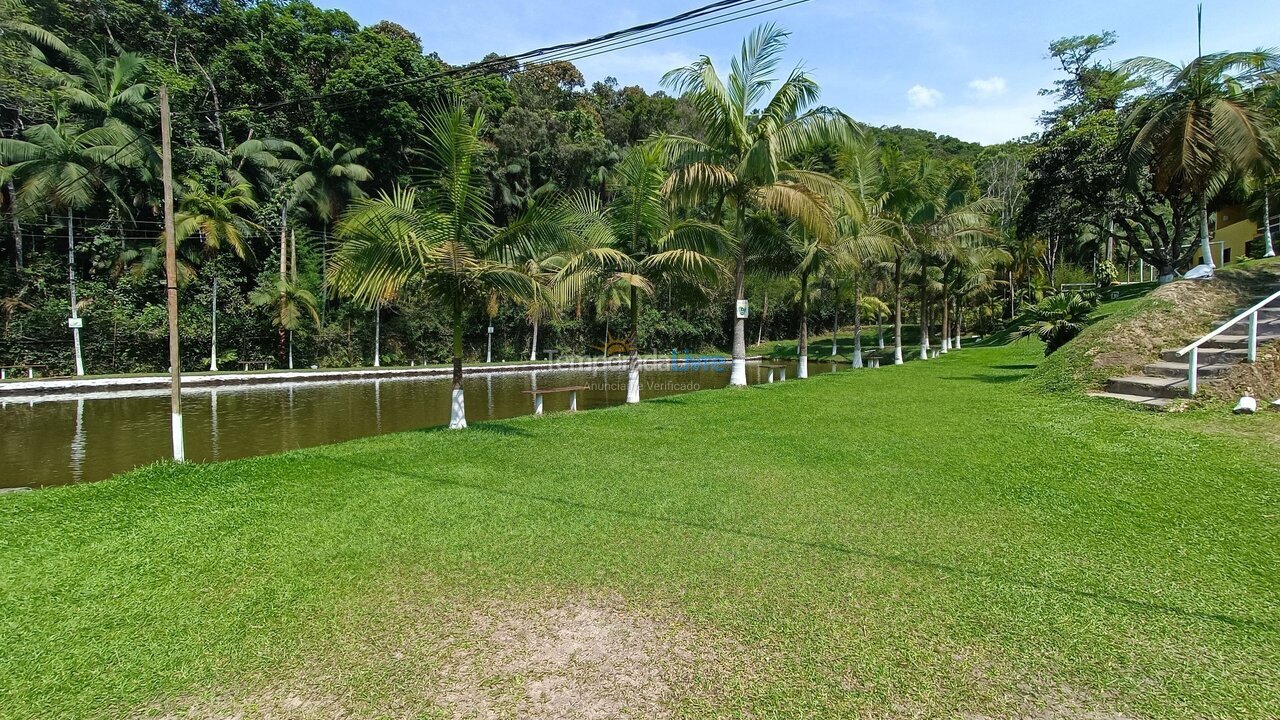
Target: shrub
(1058, 319)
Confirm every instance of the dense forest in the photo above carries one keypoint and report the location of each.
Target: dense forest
(298, 135)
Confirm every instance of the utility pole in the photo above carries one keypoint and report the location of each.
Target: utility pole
(171, 280)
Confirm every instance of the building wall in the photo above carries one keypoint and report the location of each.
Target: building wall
(1234, 231)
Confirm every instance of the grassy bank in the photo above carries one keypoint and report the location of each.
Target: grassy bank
(1130, 333)
(921, 541)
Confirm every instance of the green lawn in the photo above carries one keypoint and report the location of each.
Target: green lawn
(938, 539)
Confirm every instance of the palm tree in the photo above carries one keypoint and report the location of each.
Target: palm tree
(638, 240)
(64, 167)
(109, 88)
(440, 235)
(1199, 125)
(216, 219)
(930, 214)
(328, 178)
(744, 162)
(287, 303)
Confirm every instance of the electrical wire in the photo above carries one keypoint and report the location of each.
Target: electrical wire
(706, 16)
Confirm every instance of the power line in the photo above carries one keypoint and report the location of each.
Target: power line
(689, 21)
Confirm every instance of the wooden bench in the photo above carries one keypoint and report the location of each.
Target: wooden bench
(782, 371)
(538, 393)
(31, 370)
(244, 364)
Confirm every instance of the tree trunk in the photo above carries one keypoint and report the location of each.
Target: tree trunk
(290, 349)
(633, 363)
(879, 330)
(764, 318)
(897, 311)
(377, 336)
(213, 336)
(924, 313)
(857, 322)
(457, 405)
(958, 328)
(1268, 251)
(71, 282)
(835, 325)
(802, 346)
(17, 227)
(739, 375)
(1204, 231)
(533, 347)
(946, 317)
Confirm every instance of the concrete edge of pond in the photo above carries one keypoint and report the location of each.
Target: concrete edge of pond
(24, 390)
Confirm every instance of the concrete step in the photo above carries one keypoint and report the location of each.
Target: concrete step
(1178, 369)
(1142, 385)
(1143, 400)
(1239, 341)
(1209, 356)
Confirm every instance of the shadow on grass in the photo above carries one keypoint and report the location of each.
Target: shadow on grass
(1137, 605)
(988, 378)
(497, 427)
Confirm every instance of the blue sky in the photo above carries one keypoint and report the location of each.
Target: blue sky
(969, 69)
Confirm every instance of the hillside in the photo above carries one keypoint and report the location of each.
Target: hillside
(1128, 334)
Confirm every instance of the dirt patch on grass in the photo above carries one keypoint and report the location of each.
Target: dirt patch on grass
(580, 659)
(1061, 703)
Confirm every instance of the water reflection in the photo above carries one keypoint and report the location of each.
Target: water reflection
(54, 441)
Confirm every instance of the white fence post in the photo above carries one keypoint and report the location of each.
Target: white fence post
(1192, 368)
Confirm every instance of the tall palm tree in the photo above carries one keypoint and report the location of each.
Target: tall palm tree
(639, 240)
(440, 235)
(328, 179)
(744, 165)
(1199, 124)
(216, 219)
(65, 167)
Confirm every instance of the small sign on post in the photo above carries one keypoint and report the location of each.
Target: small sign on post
(743, 308)
(75, 323)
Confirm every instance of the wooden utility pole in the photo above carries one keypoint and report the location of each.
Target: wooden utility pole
(171, 280)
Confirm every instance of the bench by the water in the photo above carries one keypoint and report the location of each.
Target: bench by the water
(782, 371)
(573, 396)
(31, 370)
(264, 364)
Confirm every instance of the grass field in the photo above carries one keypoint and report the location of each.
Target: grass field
(939, 539)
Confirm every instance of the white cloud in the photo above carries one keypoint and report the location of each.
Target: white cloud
(920, 96)
(988, 87)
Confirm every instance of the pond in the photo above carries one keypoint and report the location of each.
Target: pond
(64, 439)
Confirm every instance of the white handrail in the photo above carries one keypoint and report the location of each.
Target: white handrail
(1251, 354)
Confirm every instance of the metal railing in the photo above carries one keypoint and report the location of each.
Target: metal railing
(1193, 363)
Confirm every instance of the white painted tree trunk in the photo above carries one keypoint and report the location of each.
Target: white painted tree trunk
(803, 371)
(377, 337)
(71, 278)
(457, 411)
(1266, 222)
(488, 346)
(290, 349)
(533, 347)
(213, 336)
(1204, 232)
(738, 376)
(633, 382)
(879, 331)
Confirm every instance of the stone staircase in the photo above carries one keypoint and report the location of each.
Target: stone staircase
(1163, 382)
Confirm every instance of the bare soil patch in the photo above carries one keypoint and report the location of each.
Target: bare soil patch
(580, 659)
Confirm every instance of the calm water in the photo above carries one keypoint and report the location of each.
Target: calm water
(66, 440)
